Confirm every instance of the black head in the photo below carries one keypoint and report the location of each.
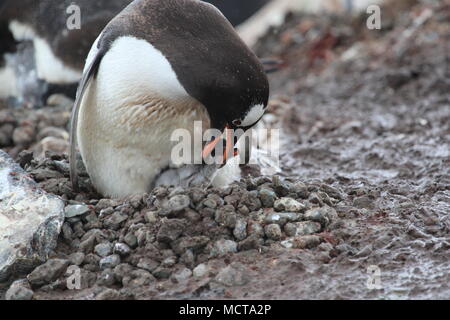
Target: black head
(210, 60)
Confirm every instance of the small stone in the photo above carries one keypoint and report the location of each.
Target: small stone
(162, 273)
(200, 270)
(325, 246)
(110, 261)
(288, 244)
(114, 221)
(288, 204)
(232, 276)
(252, 242)
(280, 186)
(188, 258)
(306, 242)
(103, 249)
(148, 264)
(324, 215)
(194, 243)
(169, 262)
(251, 200)
(138, 278)
(223, 247)
(363, 202)
(122, 270)
(48, 272)
(122, 249)
(300, 189)
(75, 210)
(182, 275)
(307, 227)
(255, 229)
(240, 229)
(151, 217)
(281, 218)
(176, 204)
(106, 278)
(131, 240)
(290, 229)
(210, 203)
(226, 216)
(108, 294)
(19, 290)
(267, 197)
(76, 258)
(273, 231)
(88, 245)
(171, 230)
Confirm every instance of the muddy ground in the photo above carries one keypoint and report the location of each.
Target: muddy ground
(365, 116)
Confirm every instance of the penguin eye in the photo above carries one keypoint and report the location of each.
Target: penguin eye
(237, 122)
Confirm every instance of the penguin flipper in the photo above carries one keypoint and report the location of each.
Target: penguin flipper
(90, 72)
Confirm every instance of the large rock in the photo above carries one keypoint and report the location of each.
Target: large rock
(30, 220)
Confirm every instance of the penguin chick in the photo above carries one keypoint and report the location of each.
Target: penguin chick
(160, 65)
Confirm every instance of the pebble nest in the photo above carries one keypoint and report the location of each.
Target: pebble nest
(171, 234)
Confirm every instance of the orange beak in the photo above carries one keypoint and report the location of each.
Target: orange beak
(229, 146)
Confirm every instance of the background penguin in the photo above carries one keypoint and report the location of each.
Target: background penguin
(60, 53)
(158, 66)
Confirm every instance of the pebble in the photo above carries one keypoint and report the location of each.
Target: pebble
(226, 216)
(47, 272)
(115, 220)
(273, 231)
(281, 218)
(151, 217)
(175, 205)
(170, 230)
(76, 258)
(223, 247)
(182, 275)
(306, 242)
(307, 227)
(122, 249)
(194, 243)
(131, 240)
(232, 276)
(108, 294)
(19, 290)
(106, 278)
(290, 229)
(200, 270)
(103, 249)
(109, 261)
(75, 210)
(138, 278)
(288, 204)
(267, 197)
(300, 189)
(281, 187)
(323, 215)
(240, 229)
(148, 264)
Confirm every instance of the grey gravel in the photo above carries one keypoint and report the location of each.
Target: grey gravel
(19, 290)
(273, 231)
(110, 261)
(47, 272)
(75, 210)
(103, 249)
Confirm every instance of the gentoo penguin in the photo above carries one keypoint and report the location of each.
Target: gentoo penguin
(159, 66)
(60, 52)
